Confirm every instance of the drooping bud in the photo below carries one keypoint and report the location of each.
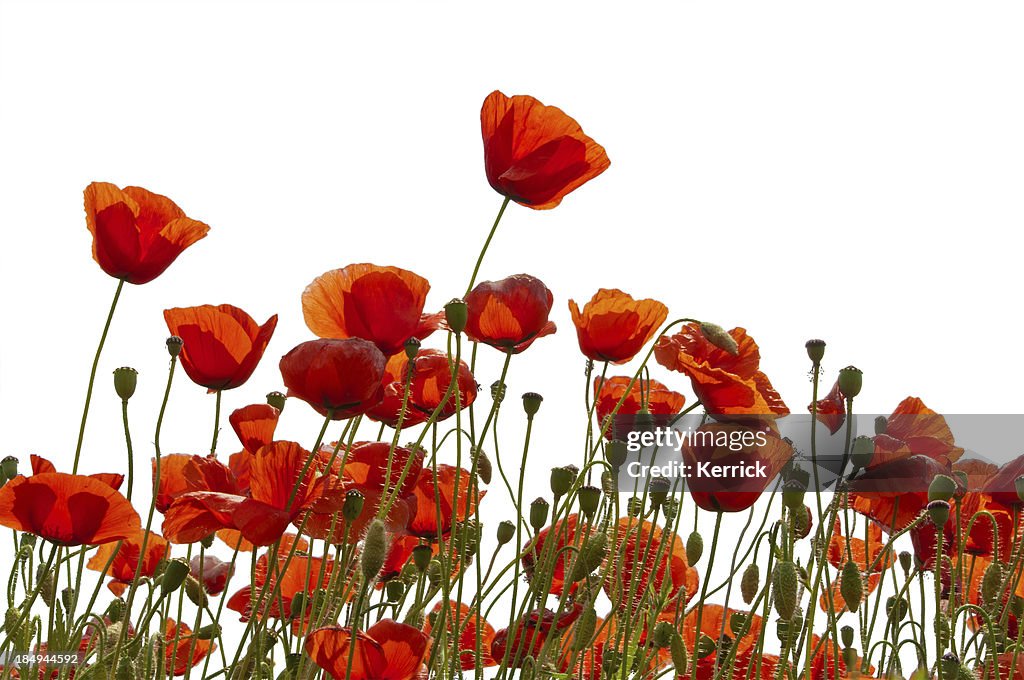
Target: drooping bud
(585, 627)
(785, 581)
(483, 465)
(590, 500)
(174, 344)
(456, 313)
(394, 590)
(694, 548)
(670, 509)
(208, 632)
(174, 575)
(277, 400)
(991, 581)
(862, 451)
(851, 379)
(412, 348)
(352, 506)
(662, 637)
(531, 403)
(195, 592)
(750, 582)
(207, 540)
(298, 606)
(125, 381)
(851, 585)
(705, 646)
(115, 610)
(615, 452)
(942, 488)
(815, 350)
(46, 585)
(678, 649)
(375, 550)
(538, 513)
(939, 512)
(590, 557)
(719, 337)
(421, 555)
(561, 480)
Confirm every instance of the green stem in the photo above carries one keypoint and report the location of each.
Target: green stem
(483, 251)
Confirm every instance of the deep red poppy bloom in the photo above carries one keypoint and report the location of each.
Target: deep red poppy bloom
(126, 559)
(432, 374)
(530, 633)
(254, 425)
(388, 650)
(469, 622)
(222, 346)
(658, 399)
(713, 618)
(340, 377)
(914, 429)
(172, 479)
(509, 314)
(302, 575)
(1001, 484)
(536, 154)
(614, 327)
(565, 532)
(894, 494)
(432, 498)
(67, 509)
(726, 384)
(136, 234)
(642, 540)
(215, 573)
(831, 409)
(381, 304)
(41, 465)
(189, 651)
(733, 444)
(366, 467)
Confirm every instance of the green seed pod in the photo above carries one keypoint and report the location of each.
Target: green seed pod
(208, 632)
(375, 550)
(590, 557)
(125, 381)
(277, 400)
(851, 380)
(174, 575)
(862, 451)
(942, 488)
(634, 506)
(662, 637)
(456, 313)
(896, 608)
(815, 350)
(793, 494)
(737, 620)
(195, 592)
(483, 465)
(678, 649)
(421, 555)
(298, 606)
(539, 513)
(207, 541)
(719, 337)
(11, 621)
(705, 646)
(67, 598)
(352, 506)
(670, 509)
(906, 561)
(531, 403)
(498, 390)
(694, 548)
(174, 344)
(846, 634)
(434, 573)
(412, 348)
(506, 532)
(584, 629)
(561, 480)
(851, 586)
(881, 425)
(750, 582)
(615, 452)
(394, 590)
(590, 500)
(9, 467)
(785, 582)
(990, 582)
(658, 491)
(939, 512)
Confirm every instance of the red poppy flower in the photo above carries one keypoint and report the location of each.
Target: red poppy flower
(979, 541)
(894, 494)
(367, 467)
(214, 573)
(67, 509)
(222, 344)
(1002, 484)
(41, 465)
(831, 409)
(381, 304)
(437, 496)
(649, 394)
(759, 453)
(126, 559)
(254, 425)
(188, 652)
(530, 633)
(432, 374)
(136, 234)
(261, 516)
(509, 314)
(714, 618)
(870, 555)
(642, 540)
(566, 532)
(727, 384)
(172, 479)
(914, 429)
(536, 154)
(469, 622)
(340, 377)
(614, 327)
(386, 651)
(302, 575)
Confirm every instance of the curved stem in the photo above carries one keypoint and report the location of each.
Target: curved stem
(483, 251)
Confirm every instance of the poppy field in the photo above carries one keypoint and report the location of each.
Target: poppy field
(361, 553)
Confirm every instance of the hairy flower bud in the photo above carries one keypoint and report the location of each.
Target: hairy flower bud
(590, 557)
(851, 585)
(906, 561)
(9, 467)
(815, 350)
(208, 632)
(195, 591)
(585, 627)
(678, 649)
(694, 548)
(483, 465)
(662, 637)
(375, 550)
(719, 337)
(115, 610)
(125, 381)
(991, 581)
(750, 582)
(174, 575)
(786, 583)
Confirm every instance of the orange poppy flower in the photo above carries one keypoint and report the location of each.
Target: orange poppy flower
(658, 399)
(509, 314)
(642, 539)
(614, 327)
(431, 377)
(726, 384)
(566, 532)
(915, 429)
(189, 651)
(381, 304)
(436, 496)
(222, 344)
(67, 509)
(729, 445)
(530, 633)
(262, 515)
(469, 622)
(136, 234)
(536, 154)
(41, 465)
(126, 559)
(979, 541)
(340, 377)
(831, 409)
(172, 479)
(254, 425)
(214, 571)
(388, 650)
(871, 555)
(1001, 485)
(366, 467)
(302, 575)
(712, 619)
(894, 494)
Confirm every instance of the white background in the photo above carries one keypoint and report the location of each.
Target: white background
(844, 171)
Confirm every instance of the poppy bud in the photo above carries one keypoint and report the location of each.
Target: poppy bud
(561, 481)
(694, 548)
(412, 348)
(737, 621)
(851, 586)
(421, 555)
(803, 518)
(394, 590)
(126, 669)
(785, 581)
(375, 550)
(846, 634)
(590, 500)
(615, 453)
(11, 620)
(906, 561)
(590, 557)
(195, 592)
(896, 608)
(352, 506)
(990, 582)
(678, 649)
(298, 606)
(538, 513)
(942, 488)
(862, 451)
(663, 634)
(815, 350)
(611, 661)
(634, 506)
(434, 573)
(207, 541)
(949, 666)
(277, 400)
(531, 403)
(174, 344)
(881, 424)
(46, 586)
(1018, 485)
(174, 575)
(719, 337)
(115, 610)
(793, 494)
(705, 646)
(483, 465)
(208, 632)
(506, 532)
(939, 512)
(125, 381)
(851, 379)
(787, 630)
(658, 491)
(584, 629)
(67, 598)
(456, 313)
(750, 582)
(9, 467)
